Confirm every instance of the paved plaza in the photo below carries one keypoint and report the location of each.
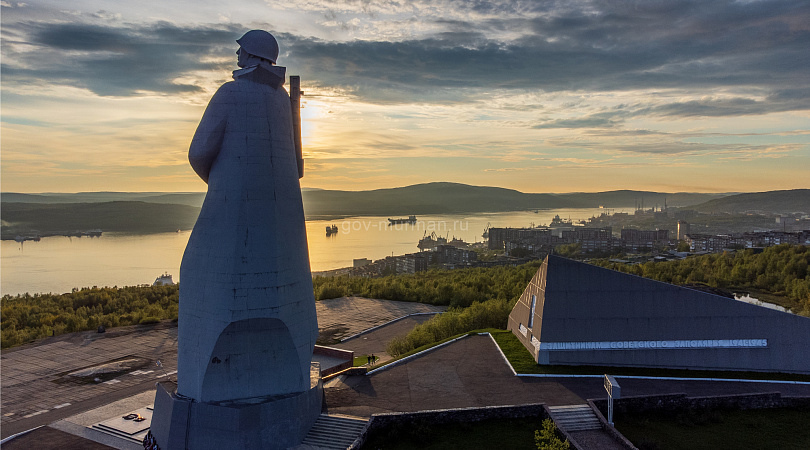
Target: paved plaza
(341, 318)
(469, 372)
(37, 387)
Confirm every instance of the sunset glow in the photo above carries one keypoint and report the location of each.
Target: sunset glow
(535, 96)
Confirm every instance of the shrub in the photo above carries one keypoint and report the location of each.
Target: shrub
(27, 317)
(547, 439)
(488, 314)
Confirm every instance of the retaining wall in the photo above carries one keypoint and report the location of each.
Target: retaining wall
(448, 416)
(680, 402)
(348, 355)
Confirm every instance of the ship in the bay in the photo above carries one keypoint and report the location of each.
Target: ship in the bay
(410, 219)
(164, 280)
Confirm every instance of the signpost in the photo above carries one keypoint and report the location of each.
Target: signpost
(614, 391)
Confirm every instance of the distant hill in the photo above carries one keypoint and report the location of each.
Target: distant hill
(430, 198)
(776, 202)
(133, 217)
(149, 212)
(646, 198)
(179, 198)
(437, 198)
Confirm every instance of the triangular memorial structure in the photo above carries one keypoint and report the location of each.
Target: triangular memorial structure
(574, 313)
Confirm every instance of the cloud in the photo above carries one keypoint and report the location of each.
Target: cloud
(673, 147)
(783, 100)
(476, 47)
(707, 106)
(606, 46)
(593, 121)
(118, 60)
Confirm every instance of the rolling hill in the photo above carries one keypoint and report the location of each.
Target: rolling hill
(776, 202)
(131, 217)
(151, 212)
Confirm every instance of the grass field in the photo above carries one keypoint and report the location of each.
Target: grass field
(781, 428)
(362, 360)
(523, 362)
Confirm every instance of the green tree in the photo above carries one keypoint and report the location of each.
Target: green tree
(547, 439)
(568, 250)
(780, 270)
(520, 252)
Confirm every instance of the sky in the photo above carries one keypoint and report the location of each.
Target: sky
(539, 96)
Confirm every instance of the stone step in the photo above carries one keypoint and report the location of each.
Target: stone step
(587, 422)
(343, 421)
(572, 412)
(334, 432)
(323, 444)
(575, 417)
(337, 428)
(331, 432)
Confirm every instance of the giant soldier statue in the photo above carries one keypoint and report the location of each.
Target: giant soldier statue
(247, 322)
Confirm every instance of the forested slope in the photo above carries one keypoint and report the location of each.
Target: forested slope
(478, 297)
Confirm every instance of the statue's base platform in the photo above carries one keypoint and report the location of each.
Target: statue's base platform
(272, 423)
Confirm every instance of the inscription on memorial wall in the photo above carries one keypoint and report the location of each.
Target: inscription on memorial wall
(653, 345)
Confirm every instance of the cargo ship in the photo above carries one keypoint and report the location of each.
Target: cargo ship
(410, 219)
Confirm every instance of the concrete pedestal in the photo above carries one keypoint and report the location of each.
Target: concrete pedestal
(267, 423)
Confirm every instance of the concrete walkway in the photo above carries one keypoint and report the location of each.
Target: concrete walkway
(375, 342)
(467, 373)
(597, 440)
(340, 318)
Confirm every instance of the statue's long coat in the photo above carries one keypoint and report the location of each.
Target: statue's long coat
(247, 321)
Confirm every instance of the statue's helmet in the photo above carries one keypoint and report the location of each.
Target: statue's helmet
(260, 43)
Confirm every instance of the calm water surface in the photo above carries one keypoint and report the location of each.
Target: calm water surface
(58, 264)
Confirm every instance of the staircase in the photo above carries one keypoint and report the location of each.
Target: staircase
(334, 432)
(574, 418)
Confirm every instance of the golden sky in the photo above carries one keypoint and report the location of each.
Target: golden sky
(536, 96)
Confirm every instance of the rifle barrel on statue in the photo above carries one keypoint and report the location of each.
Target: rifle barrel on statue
(295, 103)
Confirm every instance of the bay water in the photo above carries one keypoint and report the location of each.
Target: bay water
(59, 264)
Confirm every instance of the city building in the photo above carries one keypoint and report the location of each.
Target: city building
(683, 229)
(720, 242)
(505, 239)
(360, 262)
(452, 257)
(591, 239)
(644, 240)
